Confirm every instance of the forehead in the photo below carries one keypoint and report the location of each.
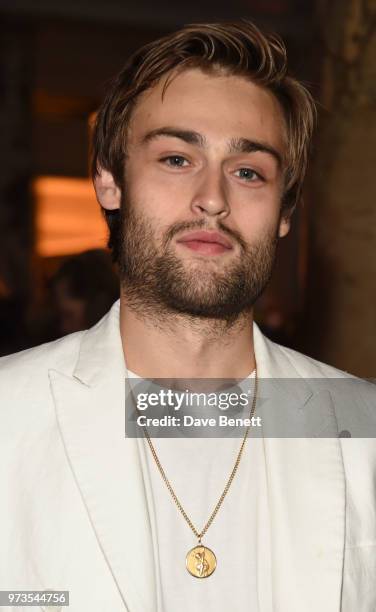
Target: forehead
(219, 106)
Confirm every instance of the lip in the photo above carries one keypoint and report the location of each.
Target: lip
(207, 237)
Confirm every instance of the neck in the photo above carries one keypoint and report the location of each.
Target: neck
(180, 346)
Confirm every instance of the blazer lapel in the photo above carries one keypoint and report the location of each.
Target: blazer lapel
(306, 486)
(106, 466)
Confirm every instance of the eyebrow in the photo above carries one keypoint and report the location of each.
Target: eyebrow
(189, 136)
(236, 145)
(244, 145)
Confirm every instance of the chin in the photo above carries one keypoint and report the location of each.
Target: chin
(206, 265)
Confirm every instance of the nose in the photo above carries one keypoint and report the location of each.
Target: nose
(209, 198)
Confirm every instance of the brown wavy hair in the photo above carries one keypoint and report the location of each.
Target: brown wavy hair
(237, 48)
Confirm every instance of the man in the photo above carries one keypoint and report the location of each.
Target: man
(200, 150)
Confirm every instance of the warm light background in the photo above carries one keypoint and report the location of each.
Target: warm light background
(68, 217)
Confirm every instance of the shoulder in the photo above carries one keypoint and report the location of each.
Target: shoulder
(307, 367)
(345, 389)
(26, 408)
(26, 372)
(353, 398)
(278, 361)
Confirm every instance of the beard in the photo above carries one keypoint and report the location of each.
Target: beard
(156, 281)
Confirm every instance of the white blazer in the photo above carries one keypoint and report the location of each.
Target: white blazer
(76, 511)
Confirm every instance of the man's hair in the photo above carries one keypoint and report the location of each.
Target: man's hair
(238, 48)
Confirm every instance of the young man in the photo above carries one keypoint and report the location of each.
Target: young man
(200, 150)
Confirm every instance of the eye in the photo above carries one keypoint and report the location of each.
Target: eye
(248, 174)
(175, 161)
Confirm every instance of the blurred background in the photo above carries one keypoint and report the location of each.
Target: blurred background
(56, 57)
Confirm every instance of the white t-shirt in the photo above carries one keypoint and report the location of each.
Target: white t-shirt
(198, 469)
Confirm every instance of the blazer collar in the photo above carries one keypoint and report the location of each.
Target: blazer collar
(107, 467)
(306, 481)
(101, 356)
(101, 353)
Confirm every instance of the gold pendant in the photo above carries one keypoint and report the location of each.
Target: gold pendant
(201, 561)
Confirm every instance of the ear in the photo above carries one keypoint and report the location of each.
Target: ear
(107, 192)
(285, 221)
(284, 226)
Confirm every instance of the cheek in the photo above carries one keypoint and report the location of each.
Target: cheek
(257, 211)
(154, 195)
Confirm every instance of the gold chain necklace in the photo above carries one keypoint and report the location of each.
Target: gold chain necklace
(201, 561)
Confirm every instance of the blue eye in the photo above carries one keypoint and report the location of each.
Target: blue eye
(248, 174)
(175, 161)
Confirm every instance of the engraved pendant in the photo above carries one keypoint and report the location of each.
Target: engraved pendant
(201, 561)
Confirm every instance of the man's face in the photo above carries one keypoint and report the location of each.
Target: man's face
(202, 194)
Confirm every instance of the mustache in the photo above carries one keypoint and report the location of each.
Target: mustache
(201, 224)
